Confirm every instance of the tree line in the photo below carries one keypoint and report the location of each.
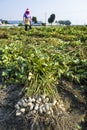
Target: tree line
(51, 19)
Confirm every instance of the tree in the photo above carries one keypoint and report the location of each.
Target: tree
(67, 22)
(61, 22)
(34, 19)
(51, 18)
(64, 22)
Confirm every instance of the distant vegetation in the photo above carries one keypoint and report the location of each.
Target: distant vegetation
(51, 18)
(63, 22)
(34, 19)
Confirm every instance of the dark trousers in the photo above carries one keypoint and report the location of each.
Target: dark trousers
(27, 27)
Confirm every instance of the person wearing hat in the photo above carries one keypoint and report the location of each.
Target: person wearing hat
(27, 19)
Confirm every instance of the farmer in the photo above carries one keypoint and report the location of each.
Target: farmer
(27, 19)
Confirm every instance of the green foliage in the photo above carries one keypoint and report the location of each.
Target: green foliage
(42, 56)
(51, 18)
(34, 19)
(64, 22)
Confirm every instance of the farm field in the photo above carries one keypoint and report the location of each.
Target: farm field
(47, 65)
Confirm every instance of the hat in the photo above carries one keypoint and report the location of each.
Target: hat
(27, 11)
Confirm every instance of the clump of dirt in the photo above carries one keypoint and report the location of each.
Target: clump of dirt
(72, 119)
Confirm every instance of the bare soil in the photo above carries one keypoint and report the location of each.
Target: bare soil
(75, 102)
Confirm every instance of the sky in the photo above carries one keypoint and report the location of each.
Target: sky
(73, 10)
